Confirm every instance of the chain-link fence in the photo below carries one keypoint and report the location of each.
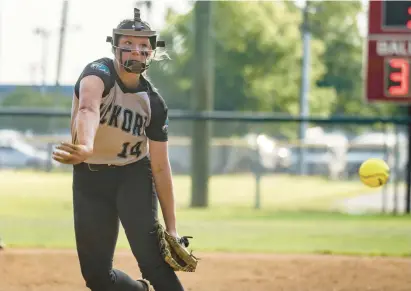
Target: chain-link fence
(256, 162)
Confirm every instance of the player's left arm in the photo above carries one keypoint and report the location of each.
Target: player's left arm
(160, 164)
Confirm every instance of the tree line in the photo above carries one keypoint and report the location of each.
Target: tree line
(258, 52)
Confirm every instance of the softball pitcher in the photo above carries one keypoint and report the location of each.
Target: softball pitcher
(121, 167)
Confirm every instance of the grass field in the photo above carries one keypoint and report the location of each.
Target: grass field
(36, 211)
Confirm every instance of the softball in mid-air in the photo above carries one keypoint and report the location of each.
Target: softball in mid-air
(374, 172)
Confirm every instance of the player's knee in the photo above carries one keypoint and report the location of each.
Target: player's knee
(155, 270)
(152, 262)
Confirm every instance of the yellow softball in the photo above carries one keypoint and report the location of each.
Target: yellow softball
(374, 172)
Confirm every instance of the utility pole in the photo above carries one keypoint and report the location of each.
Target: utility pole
(63, 29)
(44, 35)
(202, 100)
(305, 84)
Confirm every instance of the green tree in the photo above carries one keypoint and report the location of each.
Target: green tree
(258, 53)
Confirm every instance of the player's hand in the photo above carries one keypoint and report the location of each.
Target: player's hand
(71, 154)
(183, 240)
(173, 232)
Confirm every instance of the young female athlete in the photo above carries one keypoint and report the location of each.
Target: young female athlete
(121, 166)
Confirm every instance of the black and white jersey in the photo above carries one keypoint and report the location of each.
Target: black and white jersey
(127, 118)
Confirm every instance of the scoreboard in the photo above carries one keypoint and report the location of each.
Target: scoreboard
(388, 67)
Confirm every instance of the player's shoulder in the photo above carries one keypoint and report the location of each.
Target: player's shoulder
(102, 65)
(102, 68)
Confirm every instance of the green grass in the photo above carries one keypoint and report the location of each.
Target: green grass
(36, 211)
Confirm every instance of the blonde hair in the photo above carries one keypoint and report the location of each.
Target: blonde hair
(160, 55)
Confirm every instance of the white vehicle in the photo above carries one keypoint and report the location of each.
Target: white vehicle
(15, 152)
(260, 153)
(324, 154)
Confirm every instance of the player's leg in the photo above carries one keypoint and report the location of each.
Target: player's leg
(137, 205)
(96, 229)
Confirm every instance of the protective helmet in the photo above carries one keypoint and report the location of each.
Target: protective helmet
(135, 27)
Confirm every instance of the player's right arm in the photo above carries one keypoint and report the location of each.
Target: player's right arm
(94, 83)
(87, 120)
(88, 117)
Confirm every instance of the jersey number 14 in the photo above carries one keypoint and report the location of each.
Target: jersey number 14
(126, 151)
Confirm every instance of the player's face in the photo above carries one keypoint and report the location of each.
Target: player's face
(140, 48)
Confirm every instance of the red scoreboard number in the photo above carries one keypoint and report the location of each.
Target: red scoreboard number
(397, 77)
(389, 51)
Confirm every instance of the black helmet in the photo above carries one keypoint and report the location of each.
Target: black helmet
(134, 27)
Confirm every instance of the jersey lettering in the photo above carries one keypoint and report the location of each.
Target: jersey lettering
(138, 124)
(127, 120)
(114, 116)
(132, 122)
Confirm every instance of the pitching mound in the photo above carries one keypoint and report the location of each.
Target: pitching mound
(38, 270)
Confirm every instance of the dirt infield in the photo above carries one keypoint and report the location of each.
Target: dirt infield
(37, 270)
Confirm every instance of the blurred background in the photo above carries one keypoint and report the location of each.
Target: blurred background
(286, 59)
(273, 107)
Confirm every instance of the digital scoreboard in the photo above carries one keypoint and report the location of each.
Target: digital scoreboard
(388, 68)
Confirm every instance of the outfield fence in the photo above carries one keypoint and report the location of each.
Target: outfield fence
(265, 146)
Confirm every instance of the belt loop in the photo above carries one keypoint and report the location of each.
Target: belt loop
(88, 165)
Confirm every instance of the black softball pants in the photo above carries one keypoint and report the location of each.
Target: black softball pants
(102, 199)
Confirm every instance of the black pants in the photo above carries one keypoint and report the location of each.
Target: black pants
(101, 200)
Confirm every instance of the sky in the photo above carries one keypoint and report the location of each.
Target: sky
(89, 23)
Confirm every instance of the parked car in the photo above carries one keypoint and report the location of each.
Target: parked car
(258, 152)
(20, 156)
(15, 152)
(324, 154)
